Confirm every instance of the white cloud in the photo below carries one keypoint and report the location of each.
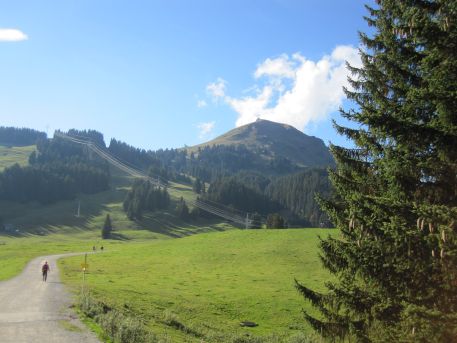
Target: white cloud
(294, 90)
(281, 67)
(205, 129)
(249, 107)
(201, 103)
(12, 35)
(217, 89)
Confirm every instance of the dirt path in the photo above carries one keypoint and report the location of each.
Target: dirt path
(35, 311)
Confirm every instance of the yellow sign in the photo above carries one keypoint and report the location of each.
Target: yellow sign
(84, 266)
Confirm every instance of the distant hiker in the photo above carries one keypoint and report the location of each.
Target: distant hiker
(101, 248)
(45, 269)
(93, 248)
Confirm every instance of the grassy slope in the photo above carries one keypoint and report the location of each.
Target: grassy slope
(211, 281)
(61, 217)
(12, 155)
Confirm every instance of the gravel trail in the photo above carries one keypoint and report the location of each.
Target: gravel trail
(35, 311)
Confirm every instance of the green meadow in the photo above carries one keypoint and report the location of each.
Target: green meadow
(208, 283)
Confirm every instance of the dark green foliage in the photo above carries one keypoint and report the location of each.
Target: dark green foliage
(138, 158)
(396, 207)
(58, 149)
(91, 135)
(107, 228)
(182, 210)
(216, 161)
(255, 220)
(167, 165)
(20, 136)
(197, 186)
(293, 195)
(24, 184)
(297, 193)
(275, 221)
(144, 197)
(234, 193)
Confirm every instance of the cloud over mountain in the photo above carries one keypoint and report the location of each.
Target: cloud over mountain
(293, 89)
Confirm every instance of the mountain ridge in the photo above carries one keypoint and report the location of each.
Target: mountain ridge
(271, 139)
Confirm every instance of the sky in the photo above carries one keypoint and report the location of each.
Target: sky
(169, 73)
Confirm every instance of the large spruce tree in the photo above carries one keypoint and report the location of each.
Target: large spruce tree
(395, 259)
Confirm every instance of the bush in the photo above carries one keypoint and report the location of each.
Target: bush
(275, 221)
(117, 326)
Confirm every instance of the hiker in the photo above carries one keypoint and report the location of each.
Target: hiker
(93, 248)
(45, 269)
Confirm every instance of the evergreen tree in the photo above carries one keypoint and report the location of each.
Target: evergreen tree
(203, 188)
(107, 228)
(197, 186)
(395, 262)
(275, 221)
(182, 210)
(256, 221)
(144, 197)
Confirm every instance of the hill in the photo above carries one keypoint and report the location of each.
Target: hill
(272, 140)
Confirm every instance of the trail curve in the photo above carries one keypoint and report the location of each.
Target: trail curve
(32, 310)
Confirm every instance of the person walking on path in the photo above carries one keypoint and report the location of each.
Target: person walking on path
(45, 269)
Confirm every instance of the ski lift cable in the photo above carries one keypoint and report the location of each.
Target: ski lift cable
(88, 140)
(216, 211)
(142, 174)
(138, 173)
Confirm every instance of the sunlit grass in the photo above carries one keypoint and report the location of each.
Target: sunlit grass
(11, 155)
(211, 282)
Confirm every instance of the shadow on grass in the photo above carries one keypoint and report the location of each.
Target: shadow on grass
(118, 236)
(44, 219)
(61, 217)
(170, 225)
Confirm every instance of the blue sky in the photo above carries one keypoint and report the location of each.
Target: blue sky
(162, 74)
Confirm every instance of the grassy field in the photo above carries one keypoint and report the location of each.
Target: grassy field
(209, 283)
(11, 155)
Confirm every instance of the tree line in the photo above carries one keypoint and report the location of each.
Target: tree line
(292, 195)
(144, 197)
(20, 136)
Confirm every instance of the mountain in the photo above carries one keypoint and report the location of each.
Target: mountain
(272, 140)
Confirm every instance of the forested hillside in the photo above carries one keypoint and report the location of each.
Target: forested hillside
(232, 175)
(57, 170)
(291, 195)
(297, 193)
